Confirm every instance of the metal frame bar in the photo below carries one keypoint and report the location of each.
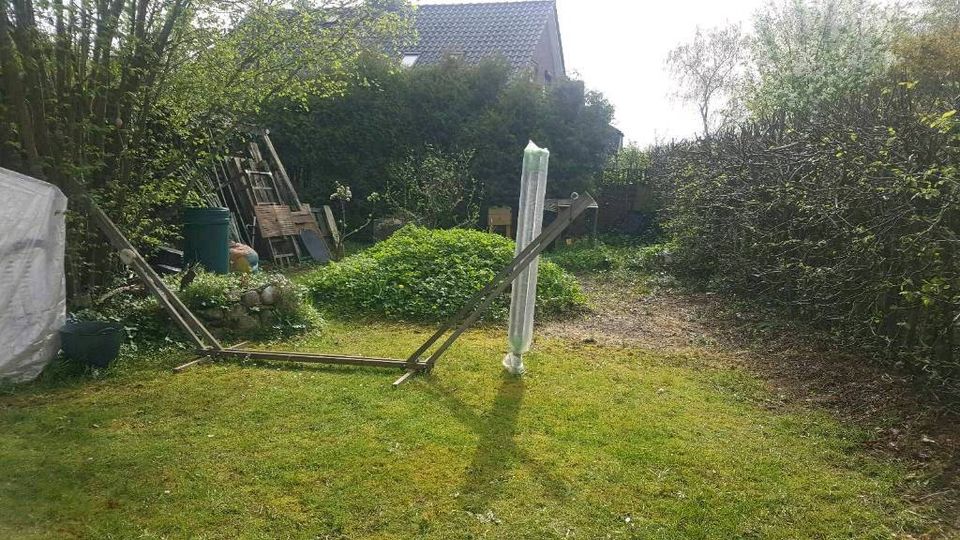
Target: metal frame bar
(210, 347)
(311, 358)
(182, 315)
(478, 304)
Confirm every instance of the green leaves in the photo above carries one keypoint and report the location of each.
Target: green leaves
(421, 274)
(850, 220)
(434, 189)
(386, 118)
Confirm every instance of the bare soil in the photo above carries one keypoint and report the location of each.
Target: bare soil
(802, 367)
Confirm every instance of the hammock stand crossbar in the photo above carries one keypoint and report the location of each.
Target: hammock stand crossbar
(208, 347)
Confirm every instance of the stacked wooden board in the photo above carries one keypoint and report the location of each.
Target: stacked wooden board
(265, 206)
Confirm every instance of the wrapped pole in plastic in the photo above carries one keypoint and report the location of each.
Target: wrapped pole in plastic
(523, 296)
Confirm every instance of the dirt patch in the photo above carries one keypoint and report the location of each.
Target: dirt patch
(802, 366)
(625, 312)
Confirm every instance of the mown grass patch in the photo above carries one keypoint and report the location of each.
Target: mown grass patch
(594, 442)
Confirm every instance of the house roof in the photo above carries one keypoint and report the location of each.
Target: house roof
(482, 30)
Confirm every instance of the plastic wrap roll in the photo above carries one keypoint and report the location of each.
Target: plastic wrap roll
(523, 297)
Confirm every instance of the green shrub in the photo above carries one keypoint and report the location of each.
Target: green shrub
(145, 320)
(427, 275)
(601, 256)
(292, 307)
(847, 220)
(588, 256)
(650, 259)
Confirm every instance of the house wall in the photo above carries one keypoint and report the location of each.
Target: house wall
(548, 55)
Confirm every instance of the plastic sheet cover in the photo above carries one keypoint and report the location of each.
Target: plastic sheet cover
(32, 286)
(523, 296)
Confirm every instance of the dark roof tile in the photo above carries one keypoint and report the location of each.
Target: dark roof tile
(478, 31)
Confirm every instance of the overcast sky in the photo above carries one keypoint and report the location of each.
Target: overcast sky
(618, 47)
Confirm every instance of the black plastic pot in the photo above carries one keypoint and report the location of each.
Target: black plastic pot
(93, 342)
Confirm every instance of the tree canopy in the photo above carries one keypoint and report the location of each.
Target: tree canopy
(133, 98)
(388, 113)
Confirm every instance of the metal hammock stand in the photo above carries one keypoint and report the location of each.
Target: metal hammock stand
(208, 347)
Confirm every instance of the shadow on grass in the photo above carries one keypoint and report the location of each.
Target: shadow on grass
(497, 453)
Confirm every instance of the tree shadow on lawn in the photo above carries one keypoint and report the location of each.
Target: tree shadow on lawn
(497, 453)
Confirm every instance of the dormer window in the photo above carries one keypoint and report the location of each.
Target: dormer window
(409, 59)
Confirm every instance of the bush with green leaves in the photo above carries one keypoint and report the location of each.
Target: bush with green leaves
(588, 256)
(434, 189)
(388, 114)
(146, 321)
(611, 254)
(427, 275)
(849, 219)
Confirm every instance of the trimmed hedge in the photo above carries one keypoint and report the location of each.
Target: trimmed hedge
(849, 219)
(427, 275)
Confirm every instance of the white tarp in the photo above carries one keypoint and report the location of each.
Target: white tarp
(32, 285)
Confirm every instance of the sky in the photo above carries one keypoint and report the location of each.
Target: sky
(618, 47)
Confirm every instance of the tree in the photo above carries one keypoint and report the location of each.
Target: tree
(808, 53)
(708, 69)
(388, 113)
(930, 57)
(433, 189)
(128, 97)
(939, 14)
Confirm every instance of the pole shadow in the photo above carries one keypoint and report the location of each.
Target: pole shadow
(497, 453)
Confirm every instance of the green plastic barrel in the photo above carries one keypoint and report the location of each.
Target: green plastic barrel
(205, 238)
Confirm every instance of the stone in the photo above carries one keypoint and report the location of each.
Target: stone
(247, 323)
(212, 314)
(269, 295)
(235, 312)
(384, 227)
(268, 318)
(250, 298)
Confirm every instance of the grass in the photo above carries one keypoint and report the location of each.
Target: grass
(593, 443)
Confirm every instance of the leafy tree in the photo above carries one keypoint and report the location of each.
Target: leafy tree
(129, 96)
(936, 14)
(388, 113)
(434, 189)
(708, 69)
(930, 57)
(807, 53)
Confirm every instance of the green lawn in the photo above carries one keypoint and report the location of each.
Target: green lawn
(593, 443)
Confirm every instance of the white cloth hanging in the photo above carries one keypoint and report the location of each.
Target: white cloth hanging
(32, 284)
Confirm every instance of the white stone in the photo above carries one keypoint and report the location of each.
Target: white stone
(269, 295)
